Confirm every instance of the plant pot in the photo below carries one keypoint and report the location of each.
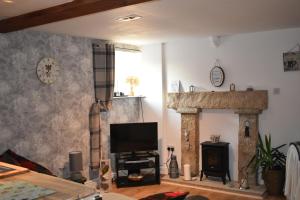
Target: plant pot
(274, 181)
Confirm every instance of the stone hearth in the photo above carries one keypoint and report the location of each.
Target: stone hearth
(248, 104)
(210, 184)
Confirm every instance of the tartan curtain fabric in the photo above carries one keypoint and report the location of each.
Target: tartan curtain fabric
(104, 74)
(95, 136)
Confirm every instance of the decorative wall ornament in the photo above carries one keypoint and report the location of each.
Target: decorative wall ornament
(247, 128)
(217, 75)
(47, 70)
(291, 59)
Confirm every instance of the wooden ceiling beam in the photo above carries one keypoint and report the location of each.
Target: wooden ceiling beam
(65, 11)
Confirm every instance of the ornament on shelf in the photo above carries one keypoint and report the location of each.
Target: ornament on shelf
(232, 87)
(133, 81)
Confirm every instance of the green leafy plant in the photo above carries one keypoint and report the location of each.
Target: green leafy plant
(272, 162)
(267, 157)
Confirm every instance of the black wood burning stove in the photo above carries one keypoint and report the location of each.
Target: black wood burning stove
(215, 160)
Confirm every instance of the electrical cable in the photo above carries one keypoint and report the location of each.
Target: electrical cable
(166, 163)
(169, 158)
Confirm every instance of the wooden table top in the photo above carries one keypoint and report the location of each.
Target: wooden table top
(64, 189)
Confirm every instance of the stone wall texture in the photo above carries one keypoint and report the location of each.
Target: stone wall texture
(45, 122)
(190, 145)
(247, 146)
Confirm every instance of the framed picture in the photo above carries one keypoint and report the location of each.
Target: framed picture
(291, 61)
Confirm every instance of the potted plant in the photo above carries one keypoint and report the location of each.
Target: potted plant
(272, 162)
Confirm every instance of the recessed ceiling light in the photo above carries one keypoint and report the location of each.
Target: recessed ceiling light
(8, 1)
(129, 18)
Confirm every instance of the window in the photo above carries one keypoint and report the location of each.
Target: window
(127, 64)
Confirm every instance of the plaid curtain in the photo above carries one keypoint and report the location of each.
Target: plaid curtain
(95, 136)
(104, 74)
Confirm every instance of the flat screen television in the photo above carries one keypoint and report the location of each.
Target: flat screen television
(133, 137)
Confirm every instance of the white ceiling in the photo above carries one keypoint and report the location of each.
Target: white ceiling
(165, 20)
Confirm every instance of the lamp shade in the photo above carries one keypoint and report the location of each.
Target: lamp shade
(75, 160)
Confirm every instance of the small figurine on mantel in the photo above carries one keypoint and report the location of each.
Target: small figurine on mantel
(192, 88)
(232, 87)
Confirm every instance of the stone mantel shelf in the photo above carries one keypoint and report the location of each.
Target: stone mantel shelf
(256, 100)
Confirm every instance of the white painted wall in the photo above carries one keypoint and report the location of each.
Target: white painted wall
(248, 60)
(151, 87)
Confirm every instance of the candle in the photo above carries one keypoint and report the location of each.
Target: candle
(187, 172)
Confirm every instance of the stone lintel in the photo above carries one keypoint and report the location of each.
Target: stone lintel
(188, 110)
(257, 99)
(248, 111)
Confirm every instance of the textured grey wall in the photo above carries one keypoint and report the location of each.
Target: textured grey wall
(45, 122)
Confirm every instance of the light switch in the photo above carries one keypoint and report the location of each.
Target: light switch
(276, 91)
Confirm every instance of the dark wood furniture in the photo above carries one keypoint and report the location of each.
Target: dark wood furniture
(145, 164)
(215, 160)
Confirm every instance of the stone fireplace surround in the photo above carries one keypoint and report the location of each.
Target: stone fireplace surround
(247, 104)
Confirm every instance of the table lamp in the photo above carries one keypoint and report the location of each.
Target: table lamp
(133, 81)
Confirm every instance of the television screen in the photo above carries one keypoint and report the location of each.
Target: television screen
(132, 137)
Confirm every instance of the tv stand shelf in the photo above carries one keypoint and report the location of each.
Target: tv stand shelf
(143, 165)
